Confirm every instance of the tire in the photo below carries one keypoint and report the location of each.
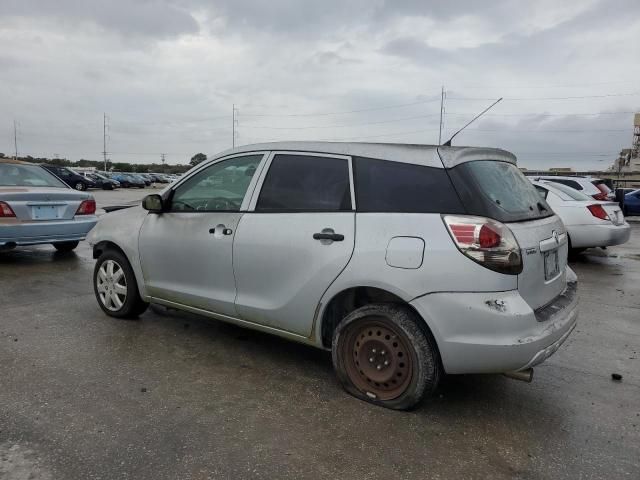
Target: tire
(382, 355)
(117, 293)
(80, 186)
(65, 246)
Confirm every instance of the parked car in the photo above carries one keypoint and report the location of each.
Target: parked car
(145, 181)
(127, 180)
(594, 187)
(405, 261)
(632, 203)
(159, 178)
(589, 223)
(71, 178)
(101, 181)
(38, 208)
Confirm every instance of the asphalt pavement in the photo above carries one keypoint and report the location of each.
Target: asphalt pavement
(174, 396)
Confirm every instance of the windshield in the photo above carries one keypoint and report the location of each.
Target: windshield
(498, 190)
(572, 193)
(21, 175)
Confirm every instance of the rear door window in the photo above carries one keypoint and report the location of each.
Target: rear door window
(387, 186)
(569, 183)
(305, 183)
(498, 190)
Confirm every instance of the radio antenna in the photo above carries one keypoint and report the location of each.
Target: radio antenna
(448, 142)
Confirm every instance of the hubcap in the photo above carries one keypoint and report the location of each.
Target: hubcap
(377, 358)
(111, 285)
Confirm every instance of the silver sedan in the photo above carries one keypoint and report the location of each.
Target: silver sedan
(38, 208)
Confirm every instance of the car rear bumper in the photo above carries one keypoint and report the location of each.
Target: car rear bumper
(497, 332)
(585, 236)
(16, 234)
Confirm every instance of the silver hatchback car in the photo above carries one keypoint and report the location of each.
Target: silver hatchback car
(406, 261)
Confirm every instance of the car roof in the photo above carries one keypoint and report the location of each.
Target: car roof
(399, 152)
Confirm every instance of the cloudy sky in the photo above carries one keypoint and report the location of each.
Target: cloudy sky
(167, 73)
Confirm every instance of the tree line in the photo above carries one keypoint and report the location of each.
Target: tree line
(116, 166)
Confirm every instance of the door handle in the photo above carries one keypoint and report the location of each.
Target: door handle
(336, 237)
(220, 229)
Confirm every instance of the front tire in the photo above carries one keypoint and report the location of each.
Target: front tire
(115, 286)
(65, 246)
(382, 355)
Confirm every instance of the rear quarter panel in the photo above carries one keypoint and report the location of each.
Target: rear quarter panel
(444, 268)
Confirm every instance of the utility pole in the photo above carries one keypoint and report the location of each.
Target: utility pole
(15, 140)
(233, 129)
(441, 115)
(104, 140)
(162, 159)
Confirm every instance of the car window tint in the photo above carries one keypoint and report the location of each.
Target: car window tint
(219, 187)
(306, 183)
(498, 190)
(386, 186)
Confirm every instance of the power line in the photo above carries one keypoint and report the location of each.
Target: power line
(542, 114)
(549, 98)
(268, 127)
(386, 107)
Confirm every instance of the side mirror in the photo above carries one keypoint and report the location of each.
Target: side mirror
(153, 203)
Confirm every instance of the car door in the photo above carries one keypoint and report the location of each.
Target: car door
(295, 240)
(186, 251)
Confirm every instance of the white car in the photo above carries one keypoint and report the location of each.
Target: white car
(405, 261)
(594, 187)
(590, 223)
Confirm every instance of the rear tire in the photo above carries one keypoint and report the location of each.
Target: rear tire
(115, 286)
(65, 246)
(382, 355)
(80, 186)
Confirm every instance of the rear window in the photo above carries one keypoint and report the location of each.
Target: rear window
(572, 193)
(603, 187)
(498, 190)
(386, 186)
(19, 175)
(569, 183)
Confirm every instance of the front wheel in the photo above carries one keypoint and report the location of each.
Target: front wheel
(65, 246)
(382, 355)
(115, 286)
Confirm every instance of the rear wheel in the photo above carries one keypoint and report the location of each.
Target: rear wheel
(115, 286)
(65, 246)
(381, 355)
(80, 186)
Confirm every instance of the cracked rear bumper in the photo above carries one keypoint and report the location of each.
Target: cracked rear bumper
(497, 332)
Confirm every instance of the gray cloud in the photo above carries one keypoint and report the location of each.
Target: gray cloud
(168, 71)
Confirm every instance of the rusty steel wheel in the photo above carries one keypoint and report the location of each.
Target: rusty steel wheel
(376, 358)
(382, 355)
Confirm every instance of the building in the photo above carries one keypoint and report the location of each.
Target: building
(629, 159)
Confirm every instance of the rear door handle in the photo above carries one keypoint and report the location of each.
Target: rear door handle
(336, 237)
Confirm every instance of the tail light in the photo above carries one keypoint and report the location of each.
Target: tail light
(6, 211)
(486, 241)
(87, 207)
(600, 196)
(598, 212)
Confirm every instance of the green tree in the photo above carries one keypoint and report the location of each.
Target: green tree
(198, 158)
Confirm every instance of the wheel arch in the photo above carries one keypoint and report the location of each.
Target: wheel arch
(349, 299)
(104, 245)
